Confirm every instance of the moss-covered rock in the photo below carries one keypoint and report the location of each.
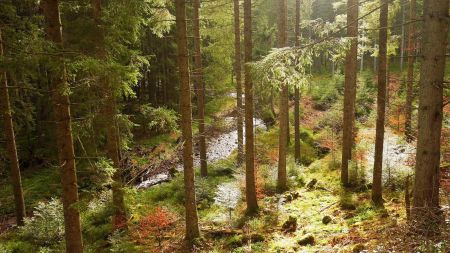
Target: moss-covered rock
(290, 225)
(358, 248)
(326, 219)
(312, 183)
(307, 239)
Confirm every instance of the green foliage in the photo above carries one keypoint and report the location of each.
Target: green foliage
(326, 91)
(37, 185)
(157, 120)
(46, 226)
(16, 246)
(95, 176)
(121, 243)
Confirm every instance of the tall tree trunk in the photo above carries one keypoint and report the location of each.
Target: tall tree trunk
(381, 106)
(11, 144)
(198, 77)
(250, 182)
(109, 115)
(402, 42)
(297, 90)
(349, 89)
(61, 109)
(410, 76)
(192, 229)
(433, 48)
(283, 117)
(238, 73)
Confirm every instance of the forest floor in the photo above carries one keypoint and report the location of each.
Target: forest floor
(315, 215)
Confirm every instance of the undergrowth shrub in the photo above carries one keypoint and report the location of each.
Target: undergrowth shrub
(95, 176)
(228, 196)
(46, 226)
(267, 179)
(156, 223)
(326, 91)
(159, 120)
(121, 243)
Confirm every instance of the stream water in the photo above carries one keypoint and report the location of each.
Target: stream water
(218, 147)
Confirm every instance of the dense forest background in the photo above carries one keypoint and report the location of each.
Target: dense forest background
(224, 126)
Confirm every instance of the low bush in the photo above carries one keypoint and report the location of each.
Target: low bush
(159, 120)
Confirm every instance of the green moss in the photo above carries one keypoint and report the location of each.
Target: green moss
(38, 184)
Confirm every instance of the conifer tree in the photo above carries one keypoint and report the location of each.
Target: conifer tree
(238, 74)
(284, 109)
(11, 143)
(349, 89)
(377, 188)
(410, 75)
(431, 87)
(192, 229)
(198, 77)
(250, 181)
(109, 111)
(61, 110)
(297, 90)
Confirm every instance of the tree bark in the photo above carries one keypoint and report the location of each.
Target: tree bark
(11, 144)
(250, 182)
(238, 73)
(109, 116)
(433, 48)
(349, 89)
(192, 229)
(297, 89)
(283, 117)
(402, 42)
(66, 154)
(381, 106)
(410, 75)
(198, 77)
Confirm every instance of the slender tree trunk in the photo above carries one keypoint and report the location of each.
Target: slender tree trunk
(349, 89)
(433, 48)
(192, 229)
(381, 106)
(61, 108)
(283, 117)
(109, 115)
(402, 42)
(250, 182)
(238, 73)
(410, 75)
(297, 90)
(198, 77)
(11, 144)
